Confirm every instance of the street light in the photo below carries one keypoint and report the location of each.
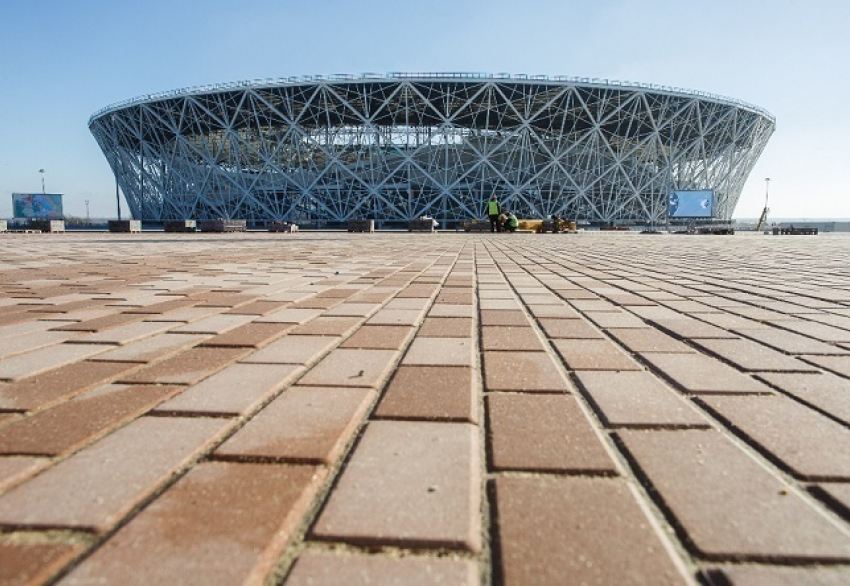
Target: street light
(42, 181)
(87, 211)
(766, 185)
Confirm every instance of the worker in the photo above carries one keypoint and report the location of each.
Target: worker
(493, 211)
(510, 224)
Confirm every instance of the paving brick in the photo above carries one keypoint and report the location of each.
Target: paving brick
(820, 331)
(290, 316)
(126, 334)
(379, 337)
(396, 317)
(837, 364)
(593, 355)
(352, 309)
(522, 371)
(320, 569)
(316, 303)
(752, 575)
(213, 325)
(510, 338)
(38, 361)
(754, 357)
(303, 424)
(71, 424)
(41, 390)
(407, 303)
(101, 323)
(568, 328)
(637, 399)
(293, 350)
(447, 310)
(503, 318)
(648, 340)
(618, 319)
(83, 492)
(441, 393)
(260, 307)
(349, 367)
(14, 469)
(150, 349)
(185, 368)
(412, 484)
(439, 352)
(221, 523)
(576, 531)
(455, 296)
(162, 306)
(809, 445)
(32, 341)
(249, 335)
(235, 390)
(34, 563)
(690, 328)
(697, 373)
(729, 506)
(543, 433)
(792, 343)
(499, 304)
(328, 326)
(826, 392)
(221, 299)
(446, 327)
(187, 315)
(836, 494)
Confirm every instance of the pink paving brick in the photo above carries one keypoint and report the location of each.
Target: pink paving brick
(163, 306)
(303, 424)
(697, 373)
(826, 392)
(14, 469)
(577, 531)
(443, 393)
(543, 433)
(289, 315)
(38, 361)
(728, 505)
(752, 356)
(235, 390)
(327, 326)
(447, 310)
(568, 328)
(396, 317)
(593, 355)
(810, 445)
(43, 389)
(150, 349)
(101, 323)
(754, 575)
(186, 368)
(221, 523)
(322, 569)
(73, 423)
(348, 367)
(379, 337)
(439, 352)
(81, 492)
(637, 399)
(293, 350)
(352, 310)
(503, 318)
(250, 335)
(126, 334)
(553, 311)
(522, 371)
(412, 484)
(511, 338)
(34, 563)
(446, 327)
(648, 340)
(33, 341)
(258, 308)
(213, 325)
(616, 319)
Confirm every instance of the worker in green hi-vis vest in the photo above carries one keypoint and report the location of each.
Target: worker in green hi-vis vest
(493, 212)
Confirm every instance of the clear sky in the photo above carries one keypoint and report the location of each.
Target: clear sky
(62, 60)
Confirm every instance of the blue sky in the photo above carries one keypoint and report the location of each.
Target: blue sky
(60, 61)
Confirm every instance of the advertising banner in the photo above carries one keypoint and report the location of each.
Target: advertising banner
(691, 204)
(45, 206)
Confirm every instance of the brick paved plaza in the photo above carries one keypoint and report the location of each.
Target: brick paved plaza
(329, 408)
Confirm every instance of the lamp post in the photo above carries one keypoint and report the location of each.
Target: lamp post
(766, 186)
(42, 181)
(87, 212)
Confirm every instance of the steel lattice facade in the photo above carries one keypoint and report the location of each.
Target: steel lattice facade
(396, 147)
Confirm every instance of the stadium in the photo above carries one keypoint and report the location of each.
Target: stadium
(322, 150)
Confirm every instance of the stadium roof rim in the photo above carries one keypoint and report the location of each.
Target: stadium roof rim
(424, 76)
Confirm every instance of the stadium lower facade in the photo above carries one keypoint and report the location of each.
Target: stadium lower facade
(322, 150)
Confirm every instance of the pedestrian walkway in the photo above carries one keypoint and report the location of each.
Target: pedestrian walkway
(322, 408)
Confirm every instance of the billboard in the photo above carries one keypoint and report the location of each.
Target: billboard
(46, 206)
(691, 204)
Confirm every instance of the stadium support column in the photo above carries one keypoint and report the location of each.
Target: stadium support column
(117, 198)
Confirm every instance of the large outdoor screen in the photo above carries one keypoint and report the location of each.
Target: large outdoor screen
(47, 206)
(691, 204)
